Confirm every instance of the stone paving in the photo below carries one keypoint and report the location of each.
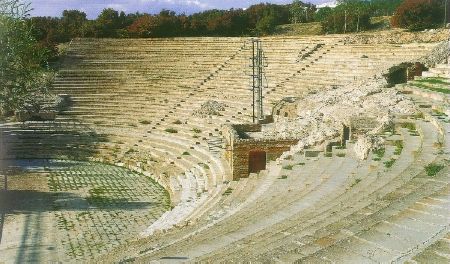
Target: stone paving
(83, 209)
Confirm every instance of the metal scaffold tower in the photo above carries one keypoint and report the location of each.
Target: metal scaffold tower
(258, 79)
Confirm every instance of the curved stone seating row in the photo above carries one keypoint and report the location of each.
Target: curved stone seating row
(397, 172)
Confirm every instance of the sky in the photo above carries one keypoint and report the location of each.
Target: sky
(93, 7)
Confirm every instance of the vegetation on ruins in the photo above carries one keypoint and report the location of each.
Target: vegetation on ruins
(432, 169)
(379, 153)
(389, 163)
(419, 14)
(171, 130)
(24, 75)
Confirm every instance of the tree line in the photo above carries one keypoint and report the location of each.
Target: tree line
(354, 15)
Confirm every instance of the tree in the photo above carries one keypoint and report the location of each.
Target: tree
(323, 14)
(107, 23)
(71, 25)
(419, 14)
(296, 11)
(266, 25)
(384, 7)
(23, 77)
(141, 26)
(347, 16)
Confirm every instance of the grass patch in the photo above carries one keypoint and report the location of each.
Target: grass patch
(301, 163)
(186, 153)
(409, 126)
(434, 89)
(398, 147)
(419, 115)
(433, 80)
(205, 166)
(340, 155)
(379, 153)
(145, 122)
(389, 163)
(283, 177)
(178, 122)
(358, 180)
(171, 130)
(439, 113)
(328, 154)
(228, 191)
(130, 151)
(312, 28)
(196, 130)
(432, 169)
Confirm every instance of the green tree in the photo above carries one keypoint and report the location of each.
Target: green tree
(296, 11)
(266, 25)
(23, 79)
(72, 24)
(347, 16)
(419, 14)
(107, 23)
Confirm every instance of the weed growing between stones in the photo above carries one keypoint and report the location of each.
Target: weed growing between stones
(171, 130)
(379, 153)
(432, 169)
(389, 163)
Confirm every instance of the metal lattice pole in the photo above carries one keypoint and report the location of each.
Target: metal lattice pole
(257, 65)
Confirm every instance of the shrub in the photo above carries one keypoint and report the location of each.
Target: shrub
(409, 126)
(178, 122)
(171, 130)
(228, 191)
(24, 76)
(432, 169)
(397, 74)
(398, 147)
(419, 14)
(379, 153)
(266, 25)
(389, 163)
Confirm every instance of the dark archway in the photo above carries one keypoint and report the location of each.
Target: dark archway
(256, 161)
(345, 134)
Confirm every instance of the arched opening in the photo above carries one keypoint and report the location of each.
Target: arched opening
(345, 134)
(256, 161)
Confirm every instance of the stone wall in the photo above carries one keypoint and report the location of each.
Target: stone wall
(439, 54)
